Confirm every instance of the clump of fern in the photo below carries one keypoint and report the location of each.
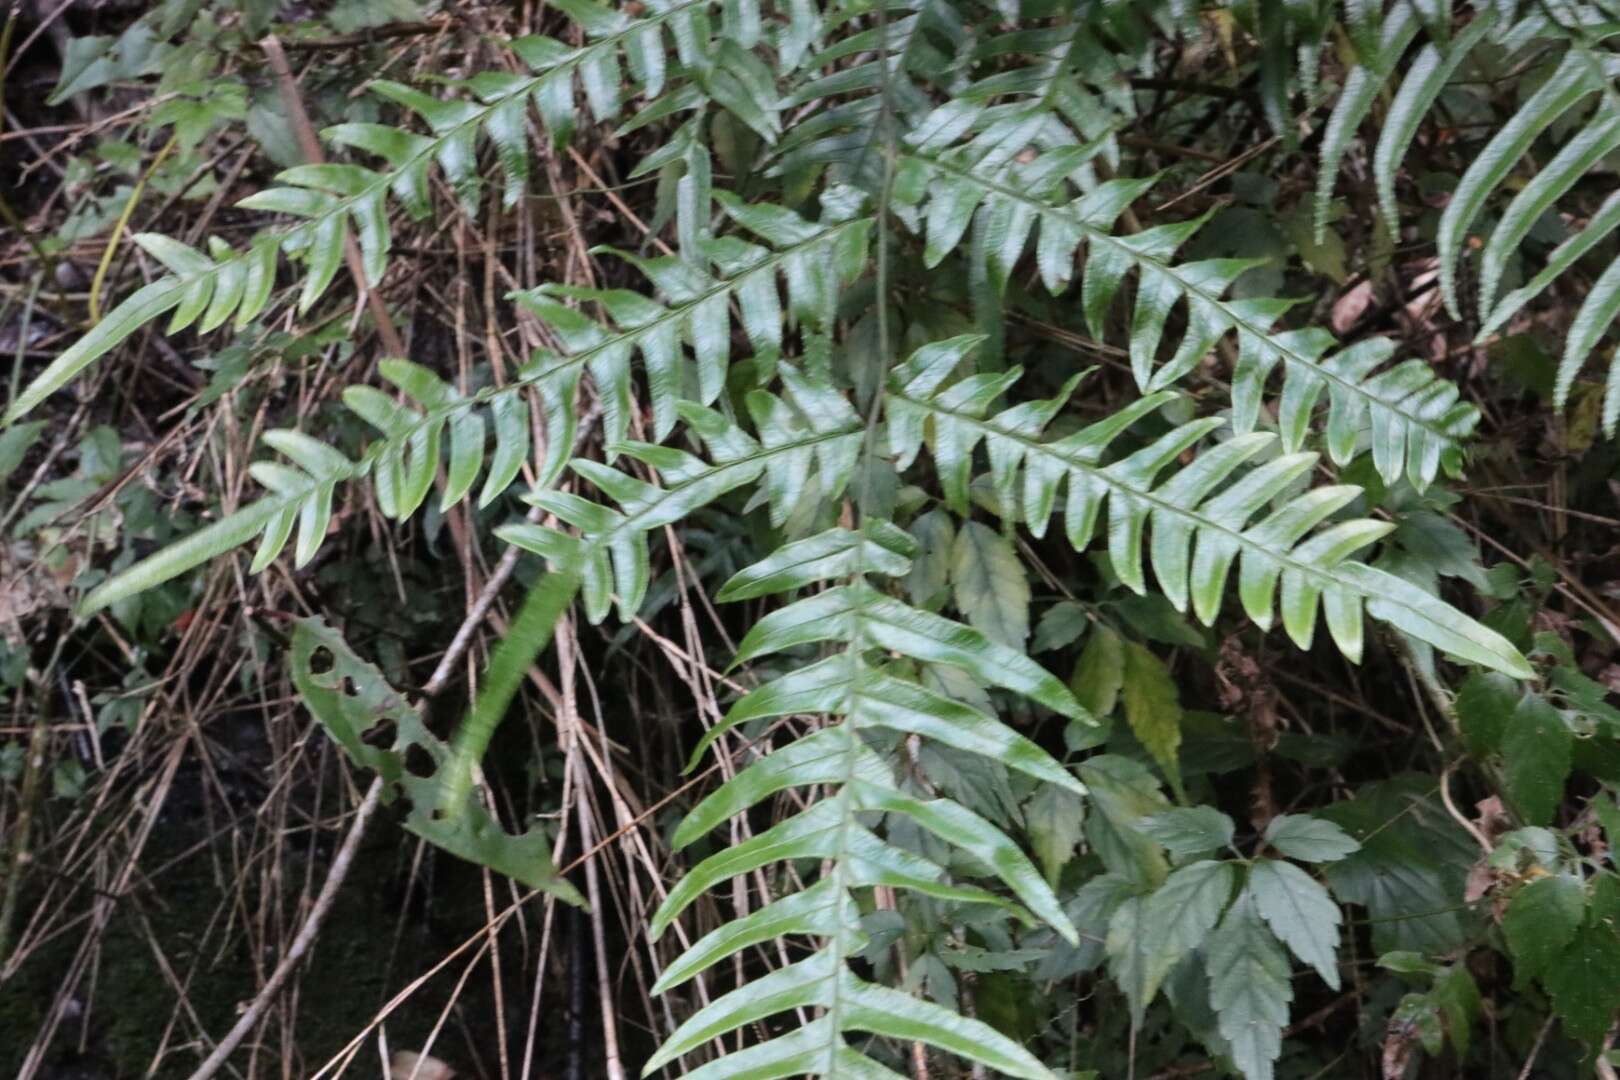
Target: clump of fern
(780, 366)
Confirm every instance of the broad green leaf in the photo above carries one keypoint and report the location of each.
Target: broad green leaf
(1249, 988)
(14, 444)
(989, 584)
(1536, 750)
(1190, 830)
(1300, 912)
(1054, 817)
(1100, 671)
(1123, 792)
(1485, 705)
(1182, 911)
(1541, 920)
(1061, 625)
(1309, 839)
(1458, 997)
(1139, 958)
(1584, 981)
(935, 533)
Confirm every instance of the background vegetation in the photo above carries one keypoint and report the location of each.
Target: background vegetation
(925, 538)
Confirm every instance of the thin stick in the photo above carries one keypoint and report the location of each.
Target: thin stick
(34, 771)
(1535, 1050)
(100, 279)
(311, 146)
(306, 937)
(569, 714)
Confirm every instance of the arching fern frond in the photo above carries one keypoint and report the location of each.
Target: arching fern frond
(1578, 93)
(807, 450)
(1596, 314)
(203, 289)
(814, 259)
(1416, 419)
(333, 198)
(1584, 74)
(1204, 518)
(863, 707)
(301, 496)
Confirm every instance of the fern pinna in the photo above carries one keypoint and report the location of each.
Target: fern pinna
(882, 150)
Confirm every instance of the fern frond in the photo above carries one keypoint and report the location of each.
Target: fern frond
(1581, 75)
(301, 496)
(332, 198)
(1203, 517)
(1582, 82)
(1416, 419)
(814, 260)
(354, 703)
(1585, 72)
(807, 450)
(860, 701)
(209, 287)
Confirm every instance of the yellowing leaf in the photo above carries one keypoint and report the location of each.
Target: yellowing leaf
(1152, 708)
(1099, 672)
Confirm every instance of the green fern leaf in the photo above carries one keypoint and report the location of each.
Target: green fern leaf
(857, 699)
(1201, 517)
(351, 699)
(1416, 420)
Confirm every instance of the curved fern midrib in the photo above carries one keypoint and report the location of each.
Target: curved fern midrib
(342, 204)
(1101, 236)
(482, 111)
(595, 543)
(1201, 523)
(674, 312)
(840, 875)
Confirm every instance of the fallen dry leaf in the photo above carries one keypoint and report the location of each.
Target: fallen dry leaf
(408, 1065)
(1349, 308)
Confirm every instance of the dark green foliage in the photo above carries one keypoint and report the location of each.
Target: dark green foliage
(835, 347)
